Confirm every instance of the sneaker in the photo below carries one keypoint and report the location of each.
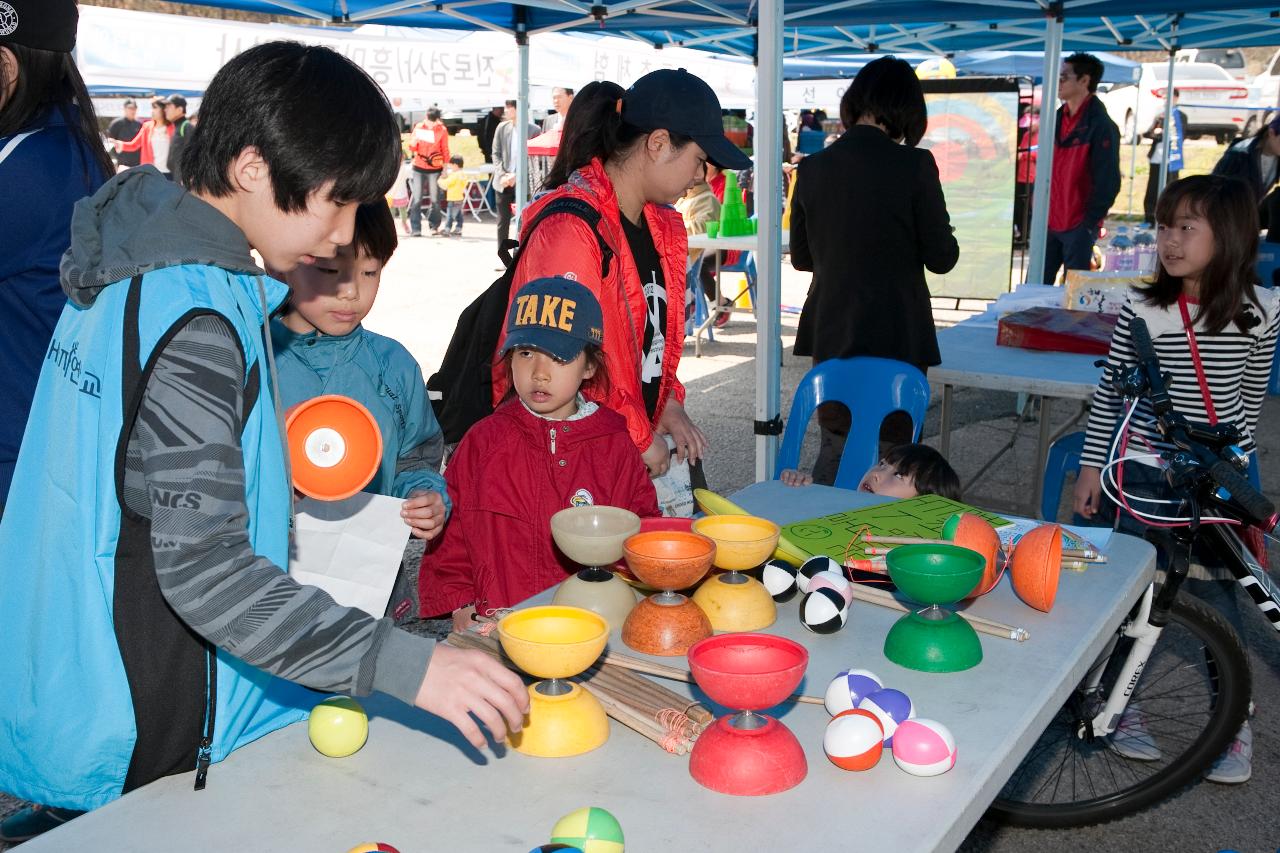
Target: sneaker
(722, 318)
(416, 234)
(1131, 738)
(32, 821)
(1235, 766)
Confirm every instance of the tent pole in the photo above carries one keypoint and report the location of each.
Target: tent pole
(768, 191)
(1044, 153)
(1133, 151)
(1166, 138)
(522, 115)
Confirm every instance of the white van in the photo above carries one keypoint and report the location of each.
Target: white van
(1231, 59)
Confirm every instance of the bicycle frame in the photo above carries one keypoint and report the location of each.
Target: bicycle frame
(1145, 630)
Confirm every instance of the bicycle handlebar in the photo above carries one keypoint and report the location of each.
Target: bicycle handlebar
(1146, 380)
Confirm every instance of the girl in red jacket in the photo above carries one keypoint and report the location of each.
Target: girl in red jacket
(153, 140)
(544, 449)
(630, 154)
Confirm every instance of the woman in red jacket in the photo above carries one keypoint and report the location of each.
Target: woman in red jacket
(153, 139)
(630, 155)
(545, 449)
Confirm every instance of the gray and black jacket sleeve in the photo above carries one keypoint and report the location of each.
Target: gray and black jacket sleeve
(187, 441)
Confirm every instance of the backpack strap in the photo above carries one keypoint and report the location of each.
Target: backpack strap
(574, 207)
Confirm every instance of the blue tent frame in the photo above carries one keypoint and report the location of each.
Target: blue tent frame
(764, 32)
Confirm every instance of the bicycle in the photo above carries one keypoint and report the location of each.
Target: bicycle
(1174, 659)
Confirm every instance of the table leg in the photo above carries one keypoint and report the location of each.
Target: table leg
(713, 313)
(1042, 451)
(944, 427)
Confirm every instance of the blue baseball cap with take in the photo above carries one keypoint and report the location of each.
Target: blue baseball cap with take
(554, 315)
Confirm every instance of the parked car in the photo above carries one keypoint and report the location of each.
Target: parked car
(1215, 103)
(1229, 58)
(1267, 86)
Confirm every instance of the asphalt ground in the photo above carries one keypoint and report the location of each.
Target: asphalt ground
(430, 280)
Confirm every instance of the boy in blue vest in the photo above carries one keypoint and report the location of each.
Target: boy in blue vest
(150, 628)
(322, 348)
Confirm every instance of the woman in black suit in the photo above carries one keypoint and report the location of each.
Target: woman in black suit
(868, 216)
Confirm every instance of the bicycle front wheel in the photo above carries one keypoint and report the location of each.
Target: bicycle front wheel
(1189, 701)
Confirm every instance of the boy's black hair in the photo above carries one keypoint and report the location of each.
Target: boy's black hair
(433, 114)
(1086, 63)
(375, 231)
(1226, 285)
(888, 91)
(927, 468)
(314, 117)
(457, 160)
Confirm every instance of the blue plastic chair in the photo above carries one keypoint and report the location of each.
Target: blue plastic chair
(1064, 456)
(872, 388)
(1267, 265)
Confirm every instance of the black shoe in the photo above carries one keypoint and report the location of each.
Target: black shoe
(27, 823)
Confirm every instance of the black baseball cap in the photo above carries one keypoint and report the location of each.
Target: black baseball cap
(130, 102)
(673, 99)
(40, 24)
(176, 100)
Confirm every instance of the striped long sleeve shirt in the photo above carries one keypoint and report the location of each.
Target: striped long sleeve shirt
(187, 440)
(1237, 366)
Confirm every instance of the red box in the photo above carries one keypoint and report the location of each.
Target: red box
(1057, 329)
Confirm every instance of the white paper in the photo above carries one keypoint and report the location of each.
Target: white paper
(351, 549)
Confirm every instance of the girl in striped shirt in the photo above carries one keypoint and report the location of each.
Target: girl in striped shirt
(1214, 331)
(1203, 306)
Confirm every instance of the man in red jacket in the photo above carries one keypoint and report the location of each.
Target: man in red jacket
(1086, 167)
(430, 147)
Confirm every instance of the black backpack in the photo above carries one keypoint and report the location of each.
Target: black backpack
(465, 377)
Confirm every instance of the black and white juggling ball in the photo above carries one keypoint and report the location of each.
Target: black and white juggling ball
(813, 565)
(779, 579)
(823, 611)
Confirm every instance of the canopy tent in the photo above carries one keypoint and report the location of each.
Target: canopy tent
(983, 63)
(760, 30)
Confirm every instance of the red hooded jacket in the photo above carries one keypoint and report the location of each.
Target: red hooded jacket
(564, 245)
(430, 146)
(511, 473)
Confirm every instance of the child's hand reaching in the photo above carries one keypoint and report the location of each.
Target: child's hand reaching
(792, 477)
(1088, 491)
(423, 511)
(463, 617)
(463, 682)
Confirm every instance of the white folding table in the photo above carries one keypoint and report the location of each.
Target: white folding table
(418, 786)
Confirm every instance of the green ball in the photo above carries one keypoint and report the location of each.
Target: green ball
(592, 829)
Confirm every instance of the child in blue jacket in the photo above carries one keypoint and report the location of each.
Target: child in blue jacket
(321, 348)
